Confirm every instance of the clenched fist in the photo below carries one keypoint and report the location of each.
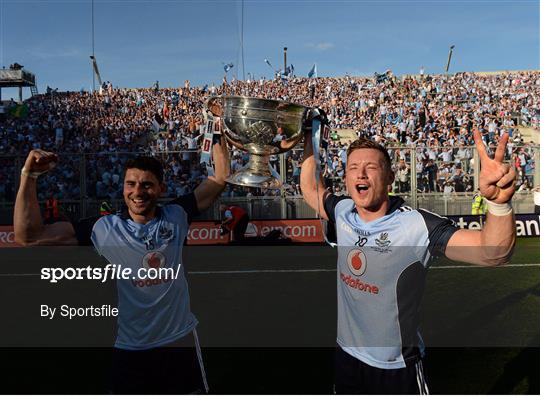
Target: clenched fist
(40, 161)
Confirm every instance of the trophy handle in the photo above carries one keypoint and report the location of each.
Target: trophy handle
(232, 142)
(312, 114)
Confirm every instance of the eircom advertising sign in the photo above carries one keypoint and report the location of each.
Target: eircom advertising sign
(306, 231)
(208, 233)
(7, 237)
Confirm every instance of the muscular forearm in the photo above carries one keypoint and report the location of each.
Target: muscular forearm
(207, 192)
(308, 183)
(210, 189)
(222, 162)
(312, 189)
(307, 172)
(221, 169)
(27, 221)
(498, 238)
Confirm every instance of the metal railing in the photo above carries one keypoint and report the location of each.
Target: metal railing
(81, 182)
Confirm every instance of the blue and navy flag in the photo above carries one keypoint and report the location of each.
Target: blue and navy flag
(268, 63)
(313, 71)
(205, 88)
(228, 67)
(289, 70)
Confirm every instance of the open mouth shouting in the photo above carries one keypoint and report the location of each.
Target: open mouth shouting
(362, 188)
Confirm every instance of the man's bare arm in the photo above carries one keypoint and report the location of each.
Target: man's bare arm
(492, 246)
(207, 192)
(313, 191)
(27, 222)
(495, 243)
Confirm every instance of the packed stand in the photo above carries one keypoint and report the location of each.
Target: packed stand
(433, 115)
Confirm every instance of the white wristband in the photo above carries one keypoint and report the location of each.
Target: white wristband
(497, 209)
(33, 175)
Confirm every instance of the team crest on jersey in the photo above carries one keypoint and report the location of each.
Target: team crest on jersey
(153, 260)
(383, 240)
(382, 243)
(166, 232)
(357, 262)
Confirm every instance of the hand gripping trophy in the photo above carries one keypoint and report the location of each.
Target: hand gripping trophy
(262, 127)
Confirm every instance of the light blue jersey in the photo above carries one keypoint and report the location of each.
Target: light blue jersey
(381, 275)
(151, 313)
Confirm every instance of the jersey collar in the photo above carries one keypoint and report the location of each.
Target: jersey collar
(395, 203)
(124, 214)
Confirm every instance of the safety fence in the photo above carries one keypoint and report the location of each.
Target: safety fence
(440, 179)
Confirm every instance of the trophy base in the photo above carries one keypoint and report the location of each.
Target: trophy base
(257, 173)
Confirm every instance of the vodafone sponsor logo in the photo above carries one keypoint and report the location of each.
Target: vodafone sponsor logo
(355, 283)
(153, 260)
(154, 271)
(149, 282)
(357, 262)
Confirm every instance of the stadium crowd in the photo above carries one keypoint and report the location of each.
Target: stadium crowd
(433, 115)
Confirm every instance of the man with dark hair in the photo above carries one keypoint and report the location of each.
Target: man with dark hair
(150, 164)
(384, 250)
(156, 349)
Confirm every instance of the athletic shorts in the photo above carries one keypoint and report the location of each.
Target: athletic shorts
(353, 376)
(173, 369)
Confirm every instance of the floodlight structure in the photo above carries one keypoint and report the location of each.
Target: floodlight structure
(17, 77)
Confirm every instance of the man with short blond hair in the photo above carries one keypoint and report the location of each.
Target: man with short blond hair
(384, 250)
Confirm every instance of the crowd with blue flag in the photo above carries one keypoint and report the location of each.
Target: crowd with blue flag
(407, 112)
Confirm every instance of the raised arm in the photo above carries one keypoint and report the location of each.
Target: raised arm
(27, 222)
(211, 188)
(313, 190)
(495, 243)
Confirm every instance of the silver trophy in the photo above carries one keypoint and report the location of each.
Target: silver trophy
(262, 127)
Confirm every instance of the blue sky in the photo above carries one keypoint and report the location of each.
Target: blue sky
(138, 42)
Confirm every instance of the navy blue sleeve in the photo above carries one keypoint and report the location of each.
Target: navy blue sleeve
(83, 230)
(188, 203)
(440, 230)
(330, 203)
